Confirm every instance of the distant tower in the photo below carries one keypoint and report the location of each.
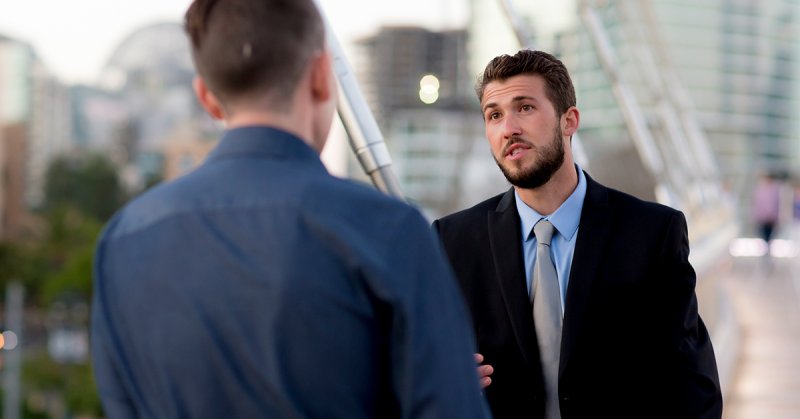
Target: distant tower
(36, 124)
(418, 84)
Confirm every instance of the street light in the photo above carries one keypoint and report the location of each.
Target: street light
(429, 89)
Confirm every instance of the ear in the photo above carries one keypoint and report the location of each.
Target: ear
(570, 121)
(321, 73)
(207, 98)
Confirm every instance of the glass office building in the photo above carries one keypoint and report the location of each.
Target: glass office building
(731, 66)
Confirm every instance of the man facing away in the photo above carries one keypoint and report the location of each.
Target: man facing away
(259, 286)
(582, 297)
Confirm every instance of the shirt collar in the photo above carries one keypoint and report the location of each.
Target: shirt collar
(565, 219)
(263, 142)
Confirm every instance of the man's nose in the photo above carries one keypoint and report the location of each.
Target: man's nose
(511, 127)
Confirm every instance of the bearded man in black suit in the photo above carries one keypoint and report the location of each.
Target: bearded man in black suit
(627, 340)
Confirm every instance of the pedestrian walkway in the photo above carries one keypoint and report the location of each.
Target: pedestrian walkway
(766, 298)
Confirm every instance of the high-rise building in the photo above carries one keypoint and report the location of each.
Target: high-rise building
(50, 129)
(418, 83)
(736, 61)
(394, 60)
(13, 211)
(35, 120)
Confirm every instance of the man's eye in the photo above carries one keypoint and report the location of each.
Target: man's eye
(526, 107)
(494, 115)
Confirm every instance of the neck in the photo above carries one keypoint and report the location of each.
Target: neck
(547, 198)
(295, 119)
(280, 121)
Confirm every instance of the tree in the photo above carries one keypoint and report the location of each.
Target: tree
(89, 184)
(18, 262)
(55, 264)
(67, 252)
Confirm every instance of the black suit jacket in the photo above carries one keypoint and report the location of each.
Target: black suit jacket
(633, 344)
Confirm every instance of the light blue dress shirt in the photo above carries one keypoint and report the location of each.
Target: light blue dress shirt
(565, 219)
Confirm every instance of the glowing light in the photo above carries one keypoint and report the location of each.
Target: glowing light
(752, 247)
(429, 89)
(429, 80)
(745, 247)
(780, 248)
(10, 340)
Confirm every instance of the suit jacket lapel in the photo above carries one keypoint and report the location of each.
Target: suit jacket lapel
(592, 234)
(506, 248)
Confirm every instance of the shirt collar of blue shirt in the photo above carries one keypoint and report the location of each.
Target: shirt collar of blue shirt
(565, 219)
(261, 141)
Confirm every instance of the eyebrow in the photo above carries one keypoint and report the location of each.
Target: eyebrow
(515, 99)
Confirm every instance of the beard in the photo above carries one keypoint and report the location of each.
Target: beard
(550, 159)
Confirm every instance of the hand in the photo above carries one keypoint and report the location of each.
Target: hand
(484, 371)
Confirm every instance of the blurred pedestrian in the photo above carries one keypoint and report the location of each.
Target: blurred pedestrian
(795, 233)
(766, 207)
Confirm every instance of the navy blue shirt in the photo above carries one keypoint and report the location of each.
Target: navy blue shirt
(259, 286)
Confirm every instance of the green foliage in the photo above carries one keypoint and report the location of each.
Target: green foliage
(54, 264)
(80, 195)
(59, 262)
(18, 262)
(10, 256)
(42, 375)
(89, 184)
(74, 278)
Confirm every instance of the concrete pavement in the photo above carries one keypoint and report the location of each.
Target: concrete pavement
(765, 293)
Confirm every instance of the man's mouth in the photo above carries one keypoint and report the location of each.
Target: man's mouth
(516, 150)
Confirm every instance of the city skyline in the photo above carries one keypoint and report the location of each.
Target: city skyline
(76, 39)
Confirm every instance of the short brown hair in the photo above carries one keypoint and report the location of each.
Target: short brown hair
(558, 85)
(248, 48)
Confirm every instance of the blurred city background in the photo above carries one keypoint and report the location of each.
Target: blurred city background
(692, 104)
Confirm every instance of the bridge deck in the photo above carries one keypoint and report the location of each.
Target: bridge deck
(766, 298)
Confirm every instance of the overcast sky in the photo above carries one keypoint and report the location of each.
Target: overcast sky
(75, 38)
